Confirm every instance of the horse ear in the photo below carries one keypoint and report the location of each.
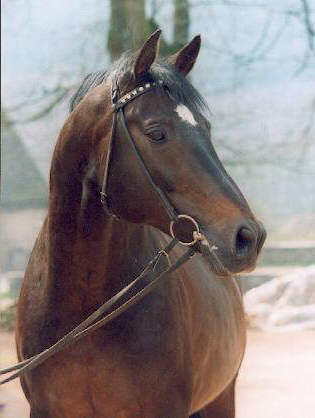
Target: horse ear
(147, 54)
(185, 58)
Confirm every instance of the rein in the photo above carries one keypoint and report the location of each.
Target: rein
(96, 319)
(104, 314)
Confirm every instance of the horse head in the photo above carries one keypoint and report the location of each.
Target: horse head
(171, 149)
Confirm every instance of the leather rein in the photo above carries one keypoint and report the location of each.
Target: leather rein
(107, 311)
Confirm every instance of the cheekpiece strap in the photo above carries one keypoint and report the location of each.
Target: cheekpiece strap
(118, 105)
(138, 91)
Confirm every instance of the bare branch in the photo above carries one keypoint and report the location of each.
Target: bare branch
(261, 55)
(46, 110)
(306, 137)
(310, 31)
(34, 99)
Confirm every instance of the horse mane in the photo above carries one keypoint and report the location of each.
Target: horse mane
(178, 86)
(90, 81)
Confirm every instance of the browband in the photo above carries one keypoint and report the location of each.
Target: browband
(138, 91)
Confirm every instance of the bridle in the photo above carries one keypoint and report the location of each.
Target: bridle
(97, 318)
(118, 105)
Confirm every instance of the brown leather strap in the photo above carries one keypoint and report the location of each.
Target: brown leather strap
(118, 115)
(170, 210)
(104, 196)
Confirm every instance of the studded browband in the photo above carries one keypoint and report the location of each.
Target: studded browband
(138, 91)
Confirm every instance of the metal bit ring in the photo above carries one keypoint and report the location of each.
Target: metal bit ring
(196, 232)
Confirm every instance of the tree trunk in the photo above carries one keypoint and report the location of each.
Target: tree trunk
(129, 27)
(181, 24)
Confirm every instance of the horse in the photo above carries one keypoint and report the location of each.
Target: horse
(177, 352)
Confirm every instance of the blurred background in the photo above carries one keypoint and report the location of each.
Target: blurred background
(256, 70)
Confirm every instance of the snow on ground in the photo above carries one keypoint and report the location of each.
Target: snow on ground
(284, 303)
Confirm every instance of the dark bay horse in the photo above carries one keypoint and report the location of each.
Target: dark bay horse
(179, 350)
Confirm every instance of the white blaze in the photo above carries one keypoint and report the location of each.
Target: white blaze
(185, 114)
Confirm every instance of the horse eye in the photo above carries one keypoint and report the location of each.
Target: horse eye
(156, 136)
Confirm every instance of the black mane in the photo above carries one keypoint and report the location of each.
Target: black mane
(180, 89)
(90, 81)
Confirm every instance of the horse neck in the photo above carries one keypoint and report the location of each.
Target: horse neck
(91, 255)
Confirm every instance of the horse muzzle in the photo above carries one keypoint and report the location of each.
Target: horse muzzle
(241, 254)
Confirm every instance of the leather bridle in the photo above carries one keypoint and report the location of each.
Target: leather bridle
(119, 117)
(98, 318)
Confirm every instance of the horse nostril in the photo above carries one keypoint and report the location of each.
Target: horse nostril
(245, 240)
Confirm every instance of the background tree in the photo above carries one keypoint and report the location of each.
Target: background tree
(130, 27)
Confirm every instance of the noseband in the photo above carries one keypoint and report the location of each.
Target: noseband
(119, 116)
